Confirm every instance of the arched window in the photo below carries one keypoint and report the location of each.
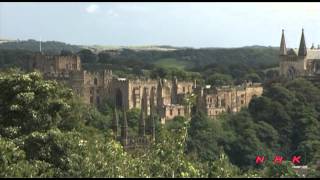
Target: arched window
(95, 81)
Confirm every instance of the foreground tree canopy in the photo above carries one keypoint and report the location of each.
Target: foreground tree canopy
(46, 131)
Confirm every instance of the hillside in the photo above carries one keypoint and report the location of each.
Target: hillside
(199, 58)
(154, 61)
(51, 47)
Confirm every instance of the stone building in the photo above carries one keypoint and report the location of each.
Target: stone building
(93, 87)
(167, 98)
(301, 62)
(55, 64)
(216, 100)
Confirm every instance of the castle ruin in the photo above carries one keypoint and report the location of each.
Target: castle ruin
(166, 97)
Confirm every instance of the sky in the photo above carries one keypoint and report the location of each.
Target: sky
(176, 24)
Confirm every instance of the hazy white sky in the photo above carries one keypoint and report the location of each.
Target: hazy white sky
(177, 24)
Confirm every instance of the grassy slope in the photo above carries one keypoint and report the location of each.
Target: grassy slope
(171, 63)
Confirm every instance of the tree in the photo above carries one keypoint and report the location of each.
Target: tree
(87, 56)
(30, 103)
(284, 169)
(176, 123)
(222, 168)
(159, 73)
(14, 164)
(166, 157)
(243, 139)
(219, 79)
(255, 78)
(203, 137)
(66, 53)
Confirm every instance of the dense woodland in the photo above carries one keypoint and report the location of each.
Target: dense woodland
(47, 131)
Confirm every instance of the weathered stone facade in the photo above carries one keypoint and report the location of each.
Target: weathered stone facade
(167, 97)
(216, 100)
(302, 62)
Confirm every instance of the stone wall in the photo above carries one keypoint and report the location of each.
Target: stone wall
(216, 100)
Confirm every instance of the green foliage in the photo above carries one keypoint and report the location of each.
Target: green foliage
(222, 168)
(176, 123)
(171, 63)
(52, 47)
(243, 140)
(204, 136)
(30, 103)
(87, 56)
(219, 79)
(293, 110)
(13, 163)
(254, 77)
(167, 158)
(284, 169)
(46, 131)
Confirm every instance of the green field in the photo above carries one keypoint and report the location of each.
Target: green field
(171, 63)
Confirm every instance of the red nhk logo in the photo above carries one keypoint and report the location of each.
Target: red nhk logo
(278, 159)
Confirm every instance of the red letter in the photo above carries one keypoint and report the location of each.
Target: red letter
(296, 159)
(259, 159)
(277, 159)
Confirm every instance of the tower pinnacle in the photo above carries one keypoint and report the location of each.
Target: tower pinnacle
(283, 48)
(302, 47)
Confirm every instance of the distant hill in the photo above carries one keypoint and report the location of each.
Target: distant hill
(191, 58)
(100, 48)
(55, 46)
(50, 47)
(147, 57)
